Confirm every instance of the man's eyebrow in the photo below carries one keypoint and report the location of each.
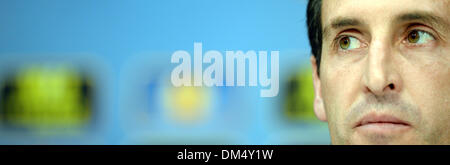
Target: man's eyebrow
(425, 17)
(341, 22)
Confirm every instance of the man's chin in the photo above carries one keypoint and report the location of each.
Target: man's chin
(384, 139)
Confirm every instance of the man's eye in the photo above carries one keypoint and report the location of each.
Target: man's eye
(419, 37)
(349, 43)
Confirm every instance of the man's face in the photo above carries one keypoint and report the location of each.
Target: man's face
(385, 71)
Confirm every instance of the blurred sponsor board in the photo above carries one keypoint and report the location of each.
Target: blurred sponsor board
(42, 97)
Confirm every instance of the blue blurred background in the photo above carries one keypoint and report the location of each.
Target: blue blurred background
(98, 72)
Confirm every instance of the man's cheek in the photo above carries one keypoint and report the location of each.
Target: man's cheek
(335, 98)
(429, 86)
(342, 87)
(430, 90)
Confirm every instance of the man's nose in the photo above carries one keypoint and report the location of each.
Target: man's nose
(381, 76)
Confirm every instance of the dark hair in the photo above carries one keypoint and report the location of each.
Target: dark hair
(313, 20)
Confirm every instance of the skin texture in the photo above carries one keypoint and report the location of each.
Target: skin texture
(385, 74)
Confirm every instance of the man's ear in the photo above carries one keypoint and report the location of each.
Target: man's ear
(319, 109)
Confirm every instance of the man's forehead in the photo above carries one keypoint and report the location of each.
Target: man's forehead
(369, 12)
